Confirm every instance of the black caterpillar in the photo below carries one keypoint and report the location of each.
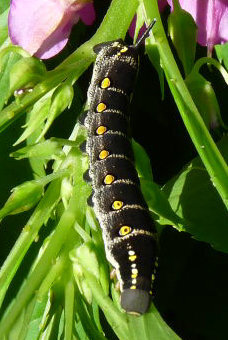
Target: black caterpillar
(128, 231)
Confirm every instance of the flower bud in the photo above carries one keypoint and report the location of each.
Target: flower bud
(23, 198)
(183, 32)
(26, 73)
(205, 99)
(61, 98)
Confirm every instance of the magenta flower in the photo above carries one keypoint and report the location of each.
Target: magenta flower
(42, 27)
(211, 17)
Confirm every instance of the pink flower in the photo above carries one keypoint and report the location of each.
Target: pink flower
(42, 27)
(211, 17)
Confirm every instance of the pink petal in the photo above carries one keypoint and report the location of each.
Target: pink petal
(162, 4)
(87, 14)
(42, 27)
(211, 17)
(55, 42)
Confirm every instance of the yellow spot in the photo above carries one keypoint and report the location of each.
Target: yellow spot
(151, 293)
(101, 130)
(133, 287)
(124, 230)
(103, 154)
(133, 276)
(109, 179)
(117, 205)
(132, 257)
(101, 107)
(153, 277)
(105, 83)
(124, 49)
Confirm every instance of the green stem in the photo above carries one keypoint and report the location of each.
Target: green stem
(207, 149)
(49, 178)
(176, 5)
(213, 62)
(43, 266)
(69, 310)
(28, 235)
(116, 319)
(55, 271)
(86, 319)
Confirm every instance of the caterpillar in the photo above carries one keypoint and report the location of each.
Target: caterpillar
(128, 230)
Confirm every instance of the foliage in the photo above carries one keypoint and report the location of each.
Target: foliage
(57, 264)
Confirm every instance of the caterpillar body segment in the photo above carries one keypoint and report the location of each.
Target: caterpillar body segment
(128, 231)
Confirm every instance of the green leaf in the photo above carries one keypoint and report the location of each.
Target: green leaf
(159, 204)
(86, 319)
(6, 64)
(3, 26)
(193, 197)
(46, 150)
(28, 234)
(155, 198)
(86, 254)
(139, 21)
(33, 330)
(60, 100)
(150, 326)
(37, 116)
(142, 161)
(19, 328)
(222, 53)
(4, 4)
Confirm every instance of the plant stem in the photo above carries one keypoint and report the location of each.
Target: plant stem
(69, 310)
(29, 233)
(207, 149)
